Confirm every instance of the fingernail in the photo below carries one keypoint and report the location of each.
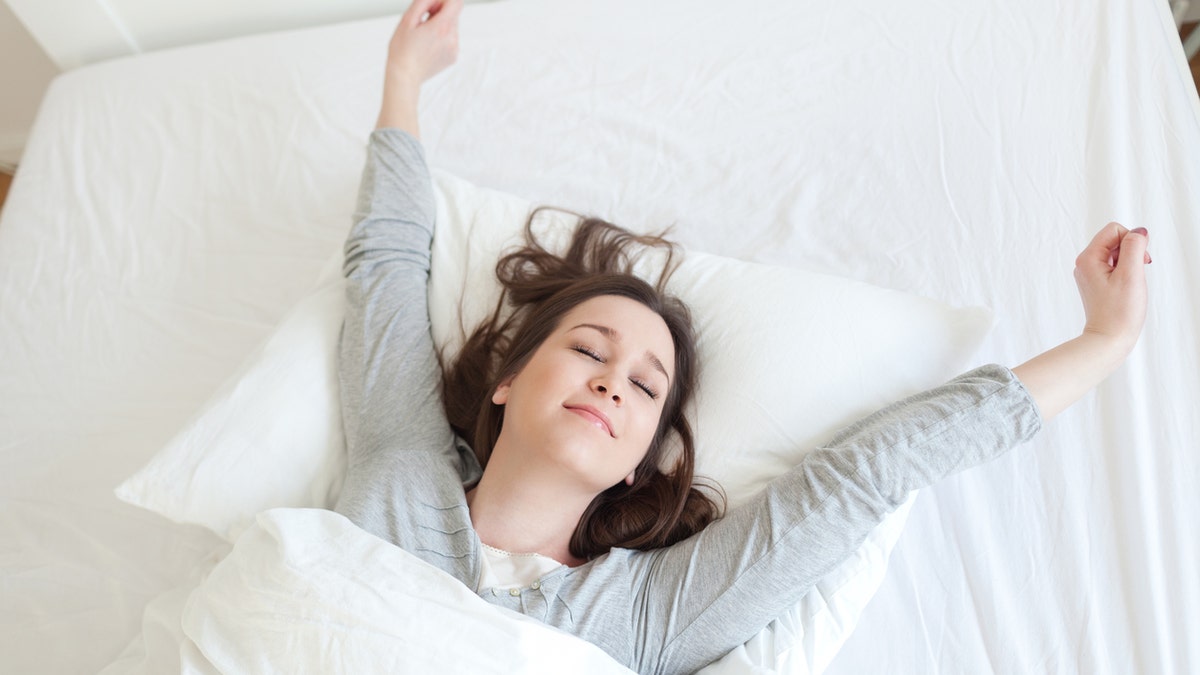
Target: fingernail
(1149, 259)
(1140, 230)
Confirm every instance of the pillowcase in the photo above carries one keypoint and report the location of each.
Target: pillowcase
(270, 436)
(787, 357)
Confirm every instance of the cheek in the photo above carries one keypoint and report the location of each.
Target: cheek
(662, 421)
(648, 426)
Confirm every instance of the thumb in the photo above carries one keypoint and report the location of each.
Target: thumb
(446, 10)
(416, 11)
(1133, 252)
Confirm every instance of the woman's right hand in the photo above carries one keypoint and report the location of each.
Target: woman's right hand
(420, 48)
(423, 46)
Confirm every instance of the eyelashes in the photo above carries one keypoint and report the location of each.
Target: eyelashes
(588, 351)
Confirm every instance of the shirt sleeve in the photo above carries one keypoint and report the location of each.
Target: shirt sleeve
(399, 442)
(717, 589)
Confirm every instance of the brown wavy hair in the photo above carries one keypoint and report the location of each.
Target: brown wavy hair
(539, 288)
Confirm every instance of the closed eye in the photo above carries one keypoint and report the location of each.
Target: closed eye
(644, 387)
(588, 351)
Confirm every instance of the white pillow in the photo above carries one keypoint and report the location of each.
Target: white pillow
(787, 358)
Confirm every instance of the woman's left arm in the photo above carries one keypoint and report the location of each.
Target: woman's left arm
(1111, 277)
(716, 589)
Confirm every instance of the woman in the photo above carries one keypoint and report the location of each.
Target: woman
(561, 511)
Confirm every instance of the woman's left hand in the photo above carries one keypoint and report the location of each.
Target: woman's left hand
(1112, 285)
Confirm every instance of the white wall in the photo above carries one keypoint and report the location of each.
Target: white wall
(77, 32)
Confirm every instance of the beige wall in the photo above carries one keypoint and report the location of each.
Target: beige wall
(25, 72)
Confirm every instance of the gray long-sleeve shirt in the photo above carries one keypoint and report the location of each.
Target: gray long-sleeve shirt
(669, 610)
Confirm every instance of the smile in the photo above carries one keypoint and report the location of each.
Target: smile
(597, 418)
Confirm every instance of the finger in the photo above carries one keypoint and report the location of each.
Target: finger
(416, 11)
(1104, 248)
(1108, 237)
(1115, 251)
(447, 10)
(1133, 253)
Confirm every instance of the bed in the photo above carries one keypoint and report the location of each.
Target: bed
(173, 210)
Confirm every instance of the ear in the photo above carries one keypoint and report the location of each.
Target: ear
(500, 396)
(629, 478)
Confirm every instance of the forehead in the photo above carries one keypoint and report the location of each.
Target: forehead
(634, 324)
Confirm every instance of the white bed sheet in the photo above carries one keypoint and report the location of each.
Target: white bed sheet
(961, 151)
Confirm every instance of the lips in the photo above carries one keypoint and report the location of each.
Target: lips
(592, 415)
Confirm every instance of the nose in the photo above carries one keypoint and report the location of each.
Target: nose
(599, 386)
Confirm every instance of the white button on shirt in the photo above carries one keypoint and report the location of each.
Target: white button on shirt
(514, 571)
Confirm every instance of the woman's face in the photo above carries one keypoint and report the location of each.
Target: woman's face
(590, 397)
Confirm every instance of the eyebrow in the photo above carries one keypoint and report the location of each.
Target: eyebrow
(612, 334)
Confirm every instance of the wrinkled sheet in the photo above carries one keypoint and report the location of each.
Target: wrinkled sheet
(965, 152)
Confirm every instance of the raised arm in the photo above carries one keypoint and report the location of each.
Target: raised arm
(400, 447)
(425, 43)
(1111, 277)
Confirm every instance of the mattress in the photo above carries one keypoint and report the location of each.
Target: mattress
(961, 152)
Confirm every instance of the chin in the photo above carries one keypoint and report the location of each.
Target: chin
(578, 460)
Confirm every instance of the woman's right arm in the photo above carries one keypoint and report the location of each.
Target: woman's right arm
(419, 49)
(398, 440)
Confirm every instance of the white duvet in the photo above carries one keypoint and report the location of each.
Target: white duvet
(307, 591)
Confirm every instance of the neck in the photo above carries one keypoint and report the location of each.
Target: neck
(525, 509)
